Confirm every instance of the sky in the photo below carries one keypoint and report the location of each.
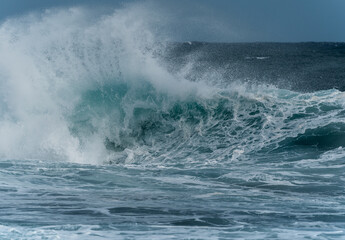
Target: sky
(222, 20)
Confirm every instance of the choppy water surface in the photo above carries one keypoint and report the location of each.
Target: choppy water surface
(257, 198)
(106, 134)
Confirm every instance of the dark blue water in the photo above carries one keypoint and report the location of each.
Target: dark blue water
(106, 134)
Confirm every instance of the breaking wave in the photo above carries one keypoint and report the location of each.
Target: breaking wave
(96, 91)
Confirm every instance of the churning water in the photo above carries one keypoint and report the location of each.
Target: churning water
(106, 132)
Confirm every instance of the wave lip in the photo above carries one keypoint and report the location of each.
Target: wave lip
(326, 137)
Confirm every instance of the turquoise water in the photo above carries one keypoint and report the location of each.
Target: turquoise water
(100, 138)
(238, 176)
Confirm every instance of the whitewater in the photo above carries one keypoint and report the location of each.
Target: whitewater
(110, 131)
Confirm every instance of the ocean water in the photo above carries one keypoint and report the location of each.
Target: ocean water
(109, 132)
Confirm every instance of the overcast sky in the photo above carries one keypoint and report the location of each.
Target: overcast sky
(223, 20)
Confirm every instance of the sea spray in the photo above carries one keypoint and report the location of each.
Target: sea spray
(51, 60)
